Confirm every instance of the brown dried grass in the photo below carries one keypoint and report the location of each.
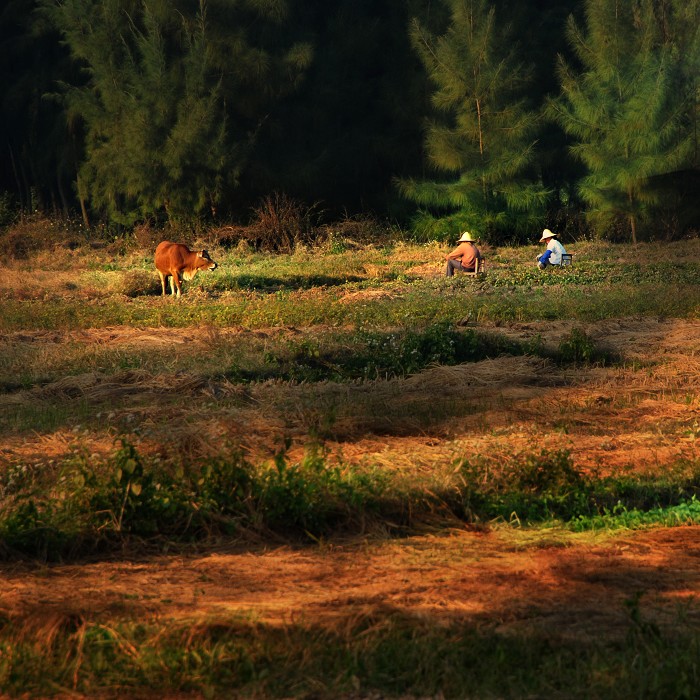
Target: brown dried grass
(614, 417)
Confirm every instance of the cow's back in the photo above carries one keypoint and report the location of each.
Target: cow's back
(171, 256)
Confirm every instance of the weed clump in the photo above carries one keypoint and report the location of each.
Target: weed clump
(524, 487)
(578, 347)
(99, 505)
(377, 355)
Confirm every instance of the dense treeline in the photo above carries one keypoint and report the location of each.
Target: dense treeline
(496, 115)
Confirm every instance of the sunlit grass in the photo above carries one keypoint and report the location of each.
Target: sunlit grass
(403, 305)
(215, 397)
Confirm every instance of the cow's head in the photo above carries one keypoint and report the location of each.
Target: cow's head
(204, 262)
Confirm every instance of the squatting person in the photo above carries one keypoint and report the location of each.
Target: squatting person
(464, 257)
(551, 256)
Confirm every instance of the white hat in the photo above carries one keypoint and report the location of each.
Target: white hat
(547, 234)
(466, 236)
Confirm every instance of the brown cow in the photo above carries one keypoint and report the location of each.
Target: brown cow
(175, 259)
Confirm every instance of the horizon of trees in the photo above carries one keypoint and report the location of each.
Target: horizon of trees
(498, 116)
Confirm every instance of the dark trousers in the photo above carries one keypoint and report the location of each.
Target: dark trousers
(453, 265)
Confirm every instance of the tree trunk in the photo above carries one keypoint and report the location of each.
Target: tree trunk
(83, 209)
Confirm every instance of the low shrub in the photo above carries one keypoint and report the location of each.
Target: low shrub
(27, 235)
(281, 224)
(578, 347)
(526, 487)
(97, 505)
(138, 283)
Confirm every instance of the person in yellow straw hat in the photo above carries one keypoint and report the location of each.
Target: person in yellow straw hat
(464, 256)
(551, 256)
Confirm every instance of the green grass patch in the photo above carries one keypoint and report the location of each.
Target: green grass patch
(404, 304)
(373, 354)
(86, 505)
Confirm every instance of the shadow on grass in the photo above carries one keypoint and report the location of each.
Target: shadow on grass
(555, 644)
(269, 283)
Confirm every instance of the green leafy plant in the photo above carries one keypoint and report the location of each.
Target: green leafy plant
(526, 486)
(578, 347)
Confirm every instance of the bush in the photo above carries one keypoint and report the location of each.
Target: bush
(282, 223)
(530, 486)
(29, 235)
(578, 347)
(136, 283)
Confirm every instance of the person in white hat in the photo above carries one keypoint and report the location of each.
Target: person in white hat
(464, 256)
(551, 256)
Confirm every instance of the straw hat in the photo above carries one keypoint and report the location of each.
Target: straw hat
(466, 236)
(547, 234)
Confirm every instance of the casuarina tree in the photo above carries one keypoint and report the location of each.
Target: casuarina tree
(482, 143)
(172, 100)
(624, 110)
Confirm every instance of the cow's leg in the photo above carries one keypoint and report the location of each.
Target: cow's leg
(176, 277)
(162, 281)
(171, 282)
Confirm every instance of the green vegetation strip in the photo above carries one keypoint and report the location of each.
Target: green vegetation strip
(338, 356)
(90, 506)
(402, 305)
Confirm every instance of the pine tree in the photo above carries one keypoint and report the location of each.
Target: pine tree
(483, 147)
(172, 102)
(623, 109)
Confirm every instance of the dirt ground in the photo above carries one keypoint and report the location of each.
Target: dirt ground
(640, 416)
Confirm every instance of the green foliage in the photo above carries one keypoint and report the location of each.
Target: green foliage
(577, 347)
(624, 110)
(310, 496)
(525, 487)
(189, 111)
(402, 354)
(131, 500)
(29, 528)
(376, 354)
(687, 512)
(484, 145)
(168, 130)
(225, 487)
(97, 505)
(530, 487)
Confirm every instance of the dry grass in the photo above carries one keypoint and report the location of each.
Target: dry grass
(640, 416)
(614, 418)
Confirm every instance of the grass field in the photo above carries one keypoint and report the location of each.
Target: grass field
(338, 474)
